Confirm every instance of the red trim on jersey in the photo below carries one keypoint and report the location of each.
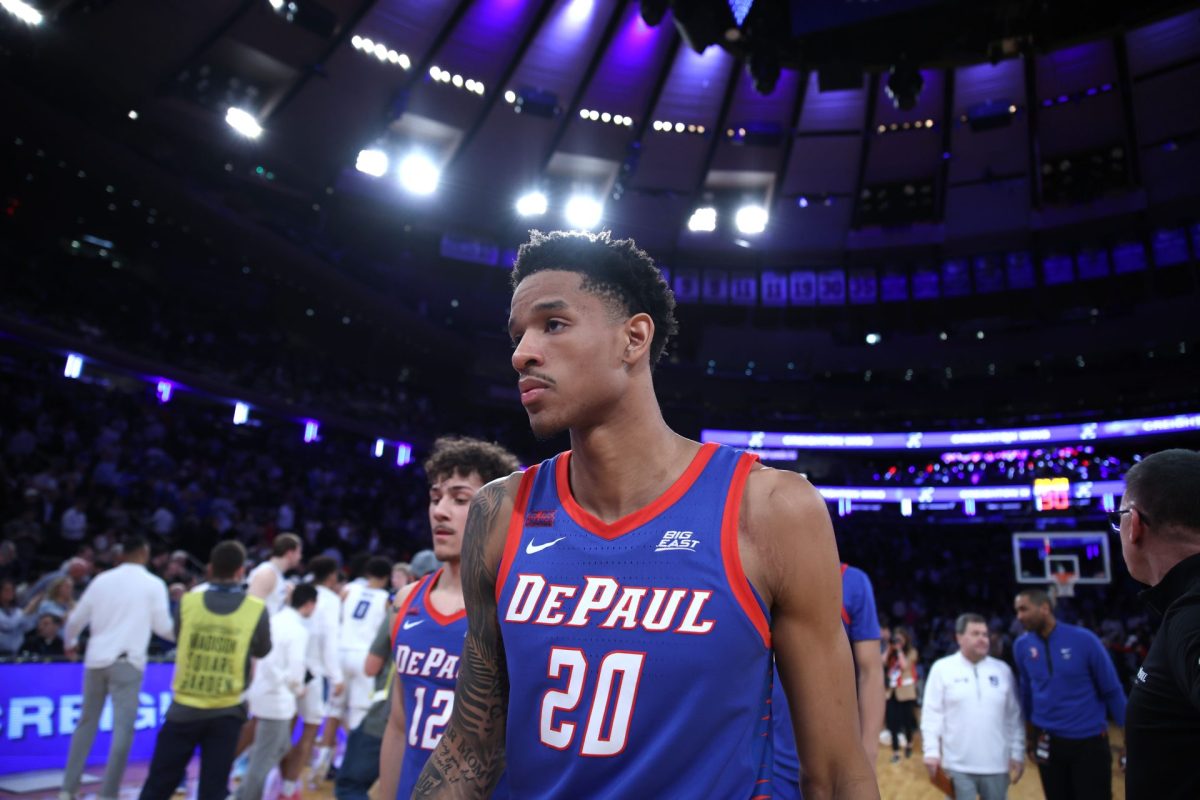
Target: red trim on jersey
(845, 613)
(403, 611)
(434, 614)
(611, 530)
(733, 557)
(516, 528)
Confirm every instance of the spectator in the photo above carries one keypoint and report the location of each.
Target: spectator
(59, 599)
(77, 569)
(900, 668)
(121, 608)
(45, 639)
(14, 622)
(75, 522)
(971, 718)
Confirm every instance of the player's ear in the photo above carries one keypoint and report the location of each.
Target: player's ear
(639, 334)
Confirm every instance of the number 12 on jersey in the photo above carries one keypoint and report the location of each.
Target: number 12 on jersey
(440, 706)
(616, 686)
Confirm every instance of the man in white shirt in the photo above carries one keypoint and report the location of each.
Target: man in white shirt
(121, 607)
(278, 681)
(74, 521)
(267, 581)
(324, 663)
(971, 717)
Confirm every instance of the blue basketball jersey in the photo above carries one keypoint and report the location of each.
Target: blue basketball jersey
(639, 655)
(427, 645)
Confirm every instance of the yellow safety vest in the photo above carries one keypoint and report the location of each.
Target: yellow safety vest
(210, 660)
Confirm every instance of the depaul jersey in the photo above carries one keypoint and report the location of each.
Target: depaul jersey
(427, 645)
(363, 610)
(639, 655)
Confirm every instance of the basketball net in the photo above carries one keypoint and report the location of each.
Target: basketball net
(1064, 584)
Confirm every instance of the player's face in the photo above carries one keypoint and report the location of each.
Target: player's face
(449, 500)
(974, 641)
(568, 349)
(293, 559)
(1133, 559)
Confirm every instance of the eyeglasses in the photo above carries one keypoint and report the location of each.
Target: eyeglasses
(1114, 517)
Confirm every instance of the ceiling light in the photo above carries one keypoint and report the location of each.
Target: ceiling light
(356, 42)
(679, 127)
(23, 11)
(703, 220)
(372, 162)
(133, 114)
(583, 212)
(457, 80)
(418, 174)
(243, 122)
(435, 72)
(470, 84)
(593, 115)
(583, 113)
(533, 204)
(510, 96)
(874, 338)
(405, 62)
(751, 219)
(605, 117)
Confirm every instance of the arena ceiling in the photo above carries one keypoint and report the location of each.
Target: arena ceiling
(584, 97)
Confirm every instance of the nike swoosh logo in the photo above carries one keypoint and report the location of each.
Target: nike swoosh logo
(412, 623)
(532, 548)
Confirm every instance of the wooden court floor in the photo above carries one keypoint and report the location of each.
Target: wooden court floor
(905, 780)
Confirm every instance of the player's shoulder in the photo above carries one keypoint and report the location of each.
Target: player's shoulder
(404, 592)
(781, 492)
(853, 576)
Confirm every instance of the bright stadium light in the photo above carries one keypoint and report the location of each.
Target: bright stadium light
(873, 338)
(163, 390)
(751, 219)
(703, 220)
(241, 413)
(404, 454)
(583, 212)
(312, 430)
(243, 122)
(23, 11)
(379, 445)
(419, 175)
(74, 367)
(372, 162)
(533, 204)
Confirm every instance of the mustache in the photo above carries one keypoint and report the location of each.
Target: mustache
(533, 374)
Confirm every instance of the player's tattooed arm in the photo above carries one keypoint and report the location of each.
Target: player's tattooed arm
(469, 759)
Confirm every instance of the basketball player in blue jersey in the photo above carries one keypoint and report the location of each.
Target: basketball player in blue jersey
(861, 621)
(430, 626)
(624, 599)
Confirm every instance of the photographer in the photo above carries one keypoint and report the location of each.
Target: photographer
(900, 667)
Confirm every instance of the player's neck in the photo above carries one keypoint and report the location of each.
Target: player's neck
(451, 578)
(1048, 628)
(280, 564)
(624, 465)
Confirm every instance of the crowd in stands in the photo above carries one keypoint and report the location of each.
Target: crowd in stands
(82, 463)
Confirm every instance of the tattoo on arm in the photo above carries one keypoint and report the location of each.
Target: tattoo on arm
(470, 757)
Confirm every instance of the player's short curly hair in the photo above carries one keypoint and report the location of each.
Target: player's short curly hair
(462, 455)
(615, 269)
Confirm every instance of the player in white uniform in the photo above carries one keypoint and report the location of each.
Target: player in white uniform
(267, 580)
(324, 664)
(364, 605)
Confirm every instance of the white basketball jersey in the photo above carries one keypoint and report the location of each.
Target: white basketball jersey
(277, 599)
(363, 611)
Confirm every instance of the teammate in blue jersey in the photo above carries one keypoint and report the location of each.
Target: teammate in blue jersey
(427, 637)
(861, 622)
(624, 599)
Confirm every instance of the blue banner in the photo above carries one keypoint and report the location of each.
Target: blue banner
(40, 705)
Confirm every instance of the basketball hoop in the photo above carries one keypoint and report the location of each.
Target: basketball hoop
(1064, 584)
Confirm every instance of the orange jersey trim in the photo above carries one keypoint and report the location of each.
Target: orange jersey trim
(403, 612)
(516, 527)
(622, 526)
(738, 581)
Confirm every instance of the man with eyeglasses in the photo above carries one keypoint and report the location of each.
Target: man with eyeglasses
(1159, 526)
